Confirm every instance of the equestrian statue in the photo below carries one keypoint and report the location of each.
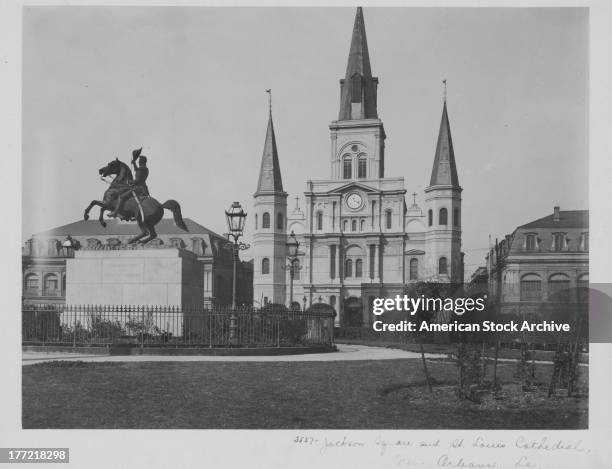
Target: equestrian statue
(127, 197)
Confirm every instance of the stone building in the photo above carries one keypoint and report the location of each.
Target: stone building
(359, 237)
(44, 257)
(544, 261)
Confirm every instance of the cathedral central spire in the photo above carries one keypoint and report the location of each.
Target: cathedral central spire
(444, 171)
(358, 88)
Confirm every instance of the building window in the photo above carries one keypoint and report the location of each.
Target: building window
(345, 225)
(388, 219)
(530, 242)
(531, 288)
(332, 301)
(353, 225)
(583, 288)
(197, 246)
(265, 266)
(430, 217)
(347, 168)
(177, 243)
(372, 260)
(356, 88)
(456, 217)
(414, 269)
(31, 284)
(50, 285)
(558, 241)
(319, 220)
(442, 266)
(584, 242)
(255, 221)
(279, 221)
(362, 225)
(443, 217)
(558, 288)
(348, 268)
(332, 261)
(52, 247)
(362, 168)
(265, 220)
(358, 268)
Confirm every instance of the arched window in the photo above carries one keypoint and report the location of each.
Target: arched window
(559, 288)
(583, 288)
(362, 167)
(279, 221)
(430, 217)
(345, 225)
(265, 266)
(348, 268)
(443, 218)
(255, 221)
(197, 246)
(50, 285)
(456, 217)
(414, 269)
(353, 225)
(347, 168)
(265, 220)
(356, 88)
(358, 268)
(531, 287)
(442, 266)
(388, 219)
(319, 220)
(362, 225)
(31, 284)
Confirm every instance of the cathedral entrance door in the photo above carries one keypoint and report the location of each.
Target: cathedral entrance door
(353, 311)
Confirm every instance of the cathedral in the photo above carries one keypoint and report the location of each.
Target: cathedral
(358, 237)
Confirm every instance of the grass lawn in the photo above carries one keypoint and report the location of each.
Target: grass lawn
(359, 394)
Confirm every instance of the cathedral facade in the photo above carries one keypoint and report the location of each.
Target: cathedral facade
(359, 238)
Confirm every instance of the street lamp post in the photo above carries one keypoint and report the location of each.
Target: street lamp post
(236, 218)
(293, 266)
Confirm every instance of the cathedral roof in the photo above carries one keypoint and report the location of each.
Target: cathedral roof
(269, 173)
(444, 170)
(358, 83)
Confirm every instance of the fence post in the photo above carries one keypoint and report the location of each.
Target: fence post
(74, 330)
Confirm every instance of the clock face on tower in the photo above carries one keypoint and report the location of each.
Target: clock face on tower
(354, 201)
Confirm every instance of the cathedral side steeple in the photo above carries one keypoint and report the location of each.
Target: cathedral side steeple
(270, 226)
(270, 179)
(444, 171)
(358, 88)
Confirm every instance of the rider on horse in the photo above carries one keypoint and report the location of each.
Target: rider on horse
(137, 187)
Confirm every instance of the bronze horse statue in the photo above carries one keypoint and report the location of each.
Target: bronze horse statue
(145, 210)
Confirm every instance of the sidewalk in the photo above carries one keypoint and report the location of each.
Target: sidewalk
(344, 353)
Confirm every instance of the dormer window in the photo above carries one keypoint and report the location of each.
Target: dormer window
(584, 242)
(530, 242)
(559, 241)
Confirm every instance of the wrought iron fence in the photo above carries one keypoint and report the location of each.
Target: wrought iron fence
(173, 327)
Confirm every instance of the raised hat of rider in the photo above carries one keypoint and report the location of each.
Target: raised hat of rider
(142, 159)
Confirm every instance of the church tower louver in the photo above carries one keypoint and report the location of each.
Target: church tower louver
(359, 239)
(270, 226)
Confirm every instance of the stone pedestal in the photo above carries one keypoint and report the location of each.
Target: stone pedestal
(159, 277)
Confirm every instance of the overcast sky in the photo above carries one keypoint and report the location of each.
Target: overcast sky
(187, 84)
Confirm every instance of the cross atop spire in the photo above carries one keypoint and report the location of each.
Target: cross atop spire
(269, 91)
(269, 173)
(358, 88)
(444, 170)
(444, 82)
